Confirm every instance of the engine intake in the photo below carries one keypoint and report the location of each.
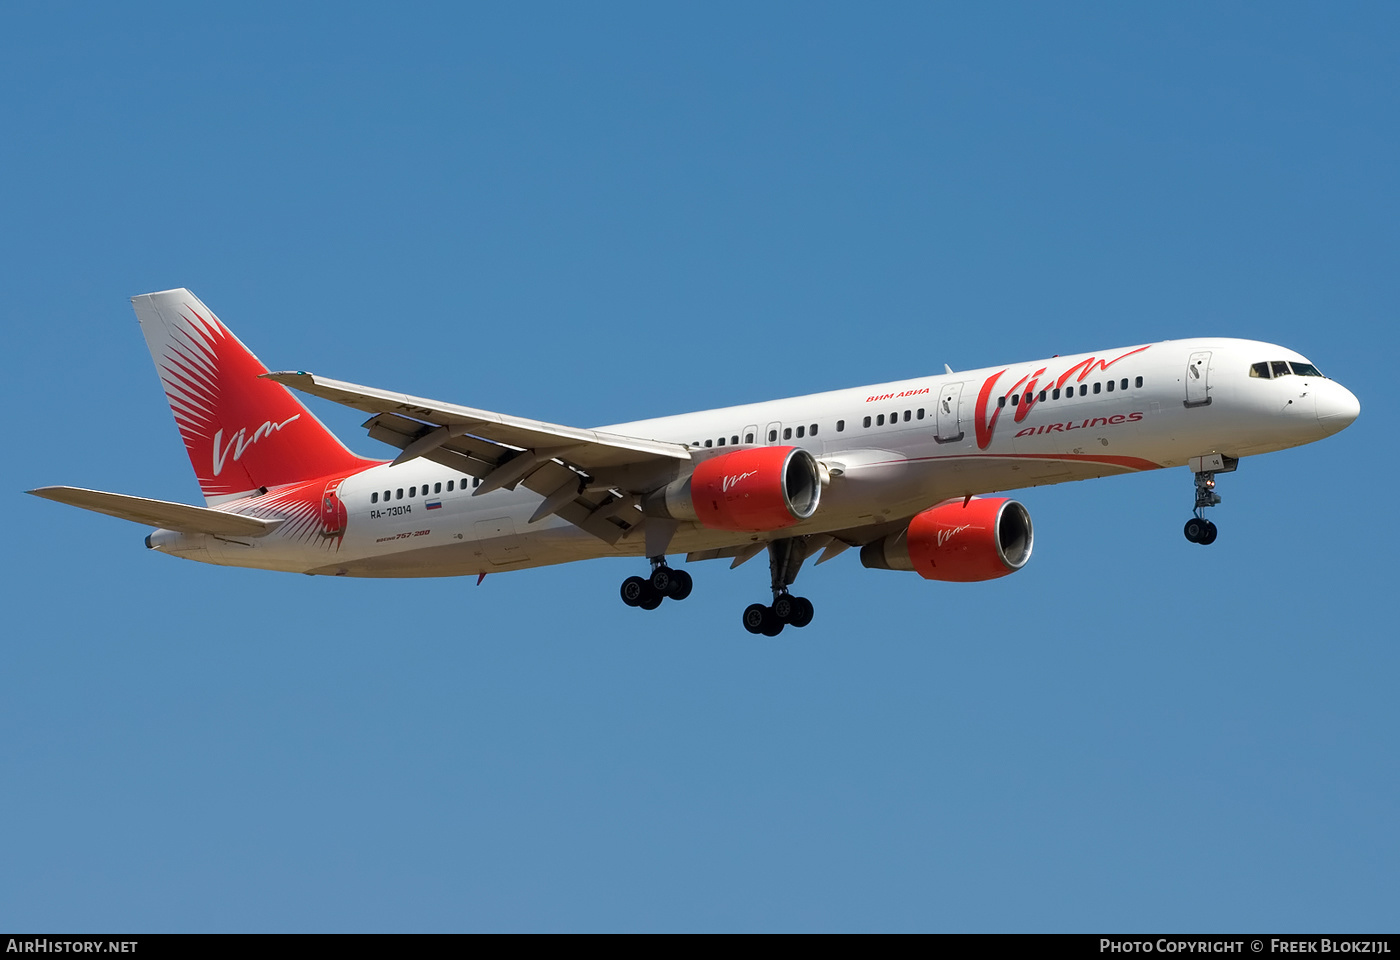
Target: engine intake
(752, 491)
(958, 542)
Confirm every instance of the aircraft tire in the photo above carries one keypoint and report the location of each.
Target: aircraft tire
(1211, 533)
(755, 616)
(633, 590)
(802, 612)
(783, 608)
(650, 599)
(681, 585)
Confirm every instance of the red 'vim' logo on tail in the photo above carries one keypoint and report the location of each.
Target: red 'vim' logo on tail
(242, 433)
(238, 444)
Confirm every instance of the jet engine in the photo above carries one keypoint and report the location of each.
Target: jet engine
(752, 490)
(958, 541)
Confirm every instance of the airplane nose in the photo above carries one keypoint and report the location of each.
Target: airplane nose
(1337, 407)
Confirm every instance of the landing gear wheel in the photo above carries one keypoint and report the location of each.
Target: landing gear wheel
(802, 612)
(681, 585)
(650, 598)
(661, 579)
(772, 626)
(1210, 533)
(782, 608)
(1196, 529)
(755, 615)
(634, 589)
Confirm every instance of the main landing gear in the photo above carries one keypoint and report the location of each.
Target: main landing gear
(784, 560)
(1198, 529)
(665, 583)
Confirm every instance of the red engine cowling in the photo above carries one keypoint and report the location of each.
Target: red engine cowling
(959, 542)
(752, 490)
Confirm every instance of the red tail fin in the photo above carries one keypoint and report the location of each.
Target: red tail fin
(242, 433)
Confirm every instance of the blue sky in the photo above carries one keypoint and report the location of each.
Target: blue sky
(596, 215)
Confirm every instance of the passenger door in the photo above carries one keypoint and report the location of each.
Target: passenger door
(1198, 379)
(333, 514)
(948, 413)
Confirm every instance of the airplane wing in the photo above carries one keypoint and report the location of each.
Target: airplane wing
(829, 545)
(589, 478)
(159, 513)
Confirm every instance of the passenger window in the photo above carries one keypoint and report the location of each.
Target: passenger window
(1138, 383)
(1110, 386)
(840, 426)
(787, 433)
(449, 485)
(437, 488)
(813, 431)
(1042, 396)
(709, 443)
(1097, 386)
(374, 497)
(1083, 389)
(800, 432)
(1015, 399)
(476, 481)
(919, 414)
(1124, 384)
(1280, 368)
(721, 441)
(748, 438)
(398, 494)
(734, 440)
(867, 421)
(1056, 393)
(413, 491)
(907, 416)
(1001, 401)
(386, 496)
(772, 435)
(880, 420)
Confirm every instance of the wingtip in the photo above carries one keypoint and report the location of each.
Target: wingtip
(283, 376)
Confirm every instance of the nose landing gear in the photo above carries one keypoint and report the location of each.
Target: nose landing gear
(665, 583)
(1198, 529)
(784, 560)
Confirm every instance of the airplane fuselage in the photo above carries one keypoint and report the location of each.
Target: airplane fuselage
(886, 452)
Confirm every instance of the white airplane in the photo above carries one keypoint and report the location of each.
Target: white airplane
(897, 469)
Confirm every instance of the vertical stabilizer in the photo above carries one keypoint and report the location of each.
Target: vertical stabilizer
(242, 433)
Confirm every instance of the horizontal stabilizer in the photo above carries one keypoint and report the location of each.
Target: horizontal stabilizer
(160, 513)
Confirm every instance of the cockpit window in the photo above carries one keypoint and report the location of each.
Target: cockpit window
(1272, 369)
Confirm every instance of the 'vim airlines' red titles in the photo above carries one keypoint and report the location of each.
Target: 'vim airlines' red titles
(987, 426)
